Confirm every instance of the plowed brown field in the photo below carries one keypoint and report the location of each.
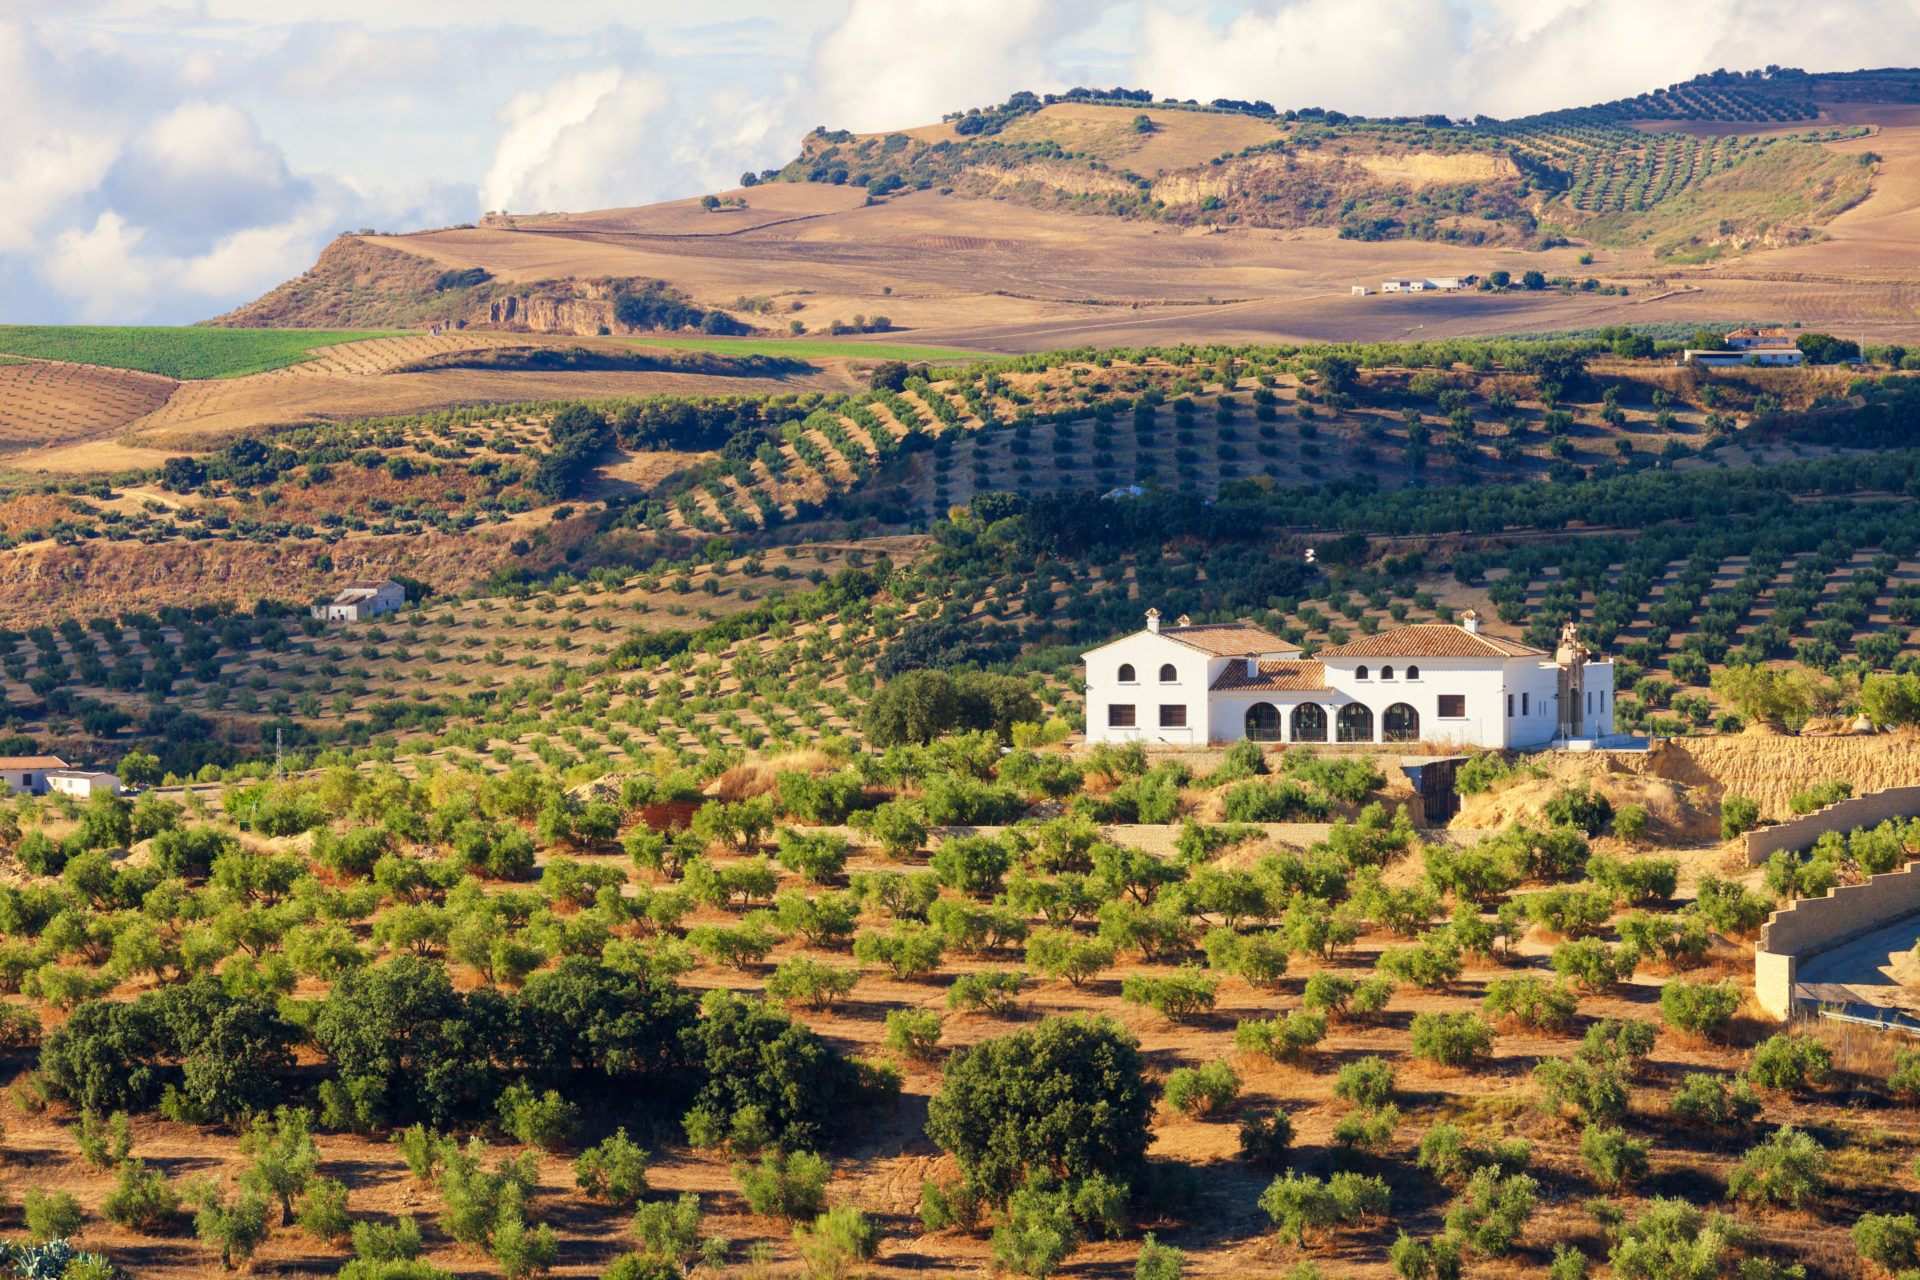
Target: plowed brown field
(43, 401)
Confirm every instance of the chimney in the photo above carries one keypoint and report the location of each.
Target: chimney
(1471, 621)
(1185, 621)
(1153, 622)
(1253, 666)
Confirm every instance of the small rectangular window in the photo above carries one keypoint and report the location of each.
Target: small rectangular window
(1453, 706)
(1509, 706)
(1589, 702)
(1525, 710)
(1173, 715)
(1119, 715)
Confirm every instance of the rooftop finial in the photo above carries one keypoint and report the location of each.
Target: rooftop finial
(1153, 621)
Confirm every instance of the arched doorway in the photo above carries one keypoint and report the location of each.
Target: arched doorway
(1401, 723)
(1355, 723)
(1309, 722)
(1263, 722)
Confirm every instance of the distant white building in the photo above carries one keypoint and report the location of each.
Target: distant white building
(1748, 346)
(1437, 283)
(1195, 684)
(359, 601)
(27, 775)
(83, 784)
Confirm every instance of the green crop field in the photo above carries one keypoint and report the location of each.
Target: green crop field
(174, 352)
(815, 349)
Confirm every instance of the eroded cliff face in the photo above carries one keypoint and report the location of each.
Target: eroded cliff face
(360, 285)
(549, 312)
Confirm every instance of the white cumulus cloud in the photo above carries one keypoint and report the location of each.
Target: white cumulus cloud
(582, 143)
(898, 63)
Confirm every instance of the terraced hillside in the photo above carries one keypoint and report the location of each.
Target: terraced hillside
(1424, 178)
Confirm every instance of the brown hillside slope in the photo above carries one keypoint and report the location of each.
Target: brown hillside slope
(361, 284)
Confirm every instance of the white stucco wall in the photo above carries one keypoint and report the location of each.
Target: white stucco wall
(1489, 686)
(1146, 653)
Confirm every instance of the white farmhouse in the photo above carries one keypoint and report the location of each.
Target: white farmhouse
(1435, 284)
(1198, 684)
(83, 784)
(27, 775)
(361, 600)
(1748, 346)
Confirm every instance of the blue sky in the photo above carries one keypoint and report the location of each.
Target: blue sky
(165, 160)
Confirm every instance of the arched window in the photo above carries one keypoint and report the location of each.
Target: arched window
(1168, 675)
(1126, 673)
(1401, 723)
(1359, 673)
(1263, 722)
(1413, 673)
(1309, 723)
(1354, 724)
(1386, 673)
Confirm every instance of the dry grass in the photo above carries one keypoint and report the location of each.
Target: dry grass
(760, 777)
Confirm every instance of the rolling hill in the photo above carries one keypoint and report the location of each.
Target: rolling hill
(1105, 217)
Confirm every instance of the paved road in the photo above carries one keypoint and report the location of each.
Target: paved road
(1879, 968)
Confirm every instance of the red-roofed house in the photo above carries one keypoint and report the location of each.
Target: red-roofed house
(1218, 682)
(28, 774)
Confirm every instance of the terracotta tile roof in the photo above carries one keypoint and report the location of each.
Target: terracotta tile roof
(1228, 639)
(1276, 675)
(1431, 640)
(1759, 333)
(11, 763)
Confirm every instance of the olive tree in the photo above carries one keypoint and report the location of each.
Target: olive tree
(1069, 1097)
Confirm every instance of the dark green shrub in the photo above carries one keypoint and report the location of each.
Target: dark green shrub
(1614, 1159)
(1577, 807)
(1890, 1242)
(1715, 1102)
(1738, 815)
(1264, 1139)
(1300, 1206)
(785, 1186)
(1449, 1155)
(1187, 991)
(1068, 1095)
(1492, 1210)
(1285, 1038)
(1533, 1002)
(1789, 1168)
(613, 1169)
(913, 1033)
(1790, 1062)
(1700, 1008)
(1202, 1091)
(1451, 1040)
(1365, 1083)
(142, 1200)
(51, 1215)
(986, 991)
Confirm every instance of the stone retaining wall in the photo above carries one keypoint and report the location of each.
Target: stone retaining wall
(1812, 925)
(1843, 816)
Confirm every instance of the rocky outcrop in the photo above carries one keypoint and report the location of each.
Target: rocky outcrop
(548, 312)
(357, 284)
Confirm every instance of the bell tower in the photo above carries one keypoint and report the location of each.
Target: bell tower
(1571, 657)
